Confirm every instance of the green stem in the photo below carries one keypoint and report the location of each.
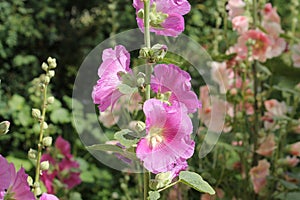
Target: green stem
(168, 186)
(148, 77)
(40, 144)
(254, 13)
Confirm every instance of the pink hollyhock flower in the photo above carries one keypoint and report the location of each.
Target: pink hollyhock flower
(267, 147)
(220, 74)
(270, 14)
(294, 149)
(166, 17)
(240, 24)
(259, 175)
(13, 185)
(260, 46)
(275, 108)
(178, 82)
(296, 55)
(292, 161)
(46, 196)
(115, 62)
(167, 144)
(235, 8)
(62, 167)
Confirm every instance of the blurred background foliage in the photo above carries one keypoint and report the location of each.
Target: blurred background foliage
(32, 30)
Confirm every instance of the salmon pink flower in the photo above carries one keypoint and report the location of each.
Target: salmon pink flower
(240, 24)
(167, 144)
(13, 185)
(296, 55)
(166, 17)
(270, 14)
(257, 41)
(275, 108)
(294, 149)
(115, 62)
(235, 8)
(259, 175)
(292, 161)
(267, 147)
(178, 82)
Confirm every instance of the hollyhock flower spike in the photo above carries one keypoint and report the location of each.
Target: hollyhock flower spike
(178, 82)
(168, 143)
(259, 175)
(13, 185)
(115, 61)
(166, 17)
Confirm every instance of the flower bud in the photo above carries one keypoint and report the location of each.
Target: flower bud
(29, 180)
(50, 100)
(144, 53)
(32, 154)
(4, 126)
(45, 165)
(140, 82)
(140, 126)
(51, 73)
(51, 62)
(47, 80)
(45, 66)
(47, 141)
(36, 113)
(38, 191)
(45, 125)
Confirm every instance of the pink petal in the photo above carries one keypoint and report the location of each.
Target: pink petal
(46, 196)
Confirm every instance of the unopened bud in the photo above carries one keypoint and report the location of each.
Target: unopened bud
(51, 73)
(140, 126)
(45, 66)
(52, 62)
(140, 81)
(45, 125)
(4, 127)
(50, 100)
(47, 141)
(38, 191)
(47, 80)
(144, 52)
(36, 113)
(45, 165)
(29, 180)
(32, 154)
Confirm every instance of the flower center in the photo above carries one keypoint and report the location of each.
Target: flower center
(155, 137)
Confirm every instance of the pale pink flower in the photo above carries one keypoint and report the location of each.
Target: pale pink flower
(167, 143)
(108, 118)
(220, 74)
(259, 175)
(260, 47)
(267, 147)
(13, 185)
(115, 62)
(296, 55)
(275, 108)
(278, 45)
(178, 82)
(292, 161)
(235, 8)
(240, 24)
(166, 17)
(270, 14)
(294, 149)
(46, 196)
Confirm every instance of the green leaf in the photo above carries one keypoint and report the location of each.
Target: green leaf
(120, 136)
(195, 181)
(153, 195)
(113, 149)
(126, 89)
(60, 115)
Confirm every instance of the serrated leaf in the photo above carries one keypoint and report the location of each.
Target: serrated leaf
(153, 195)
(195, 181)
(120, 136)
